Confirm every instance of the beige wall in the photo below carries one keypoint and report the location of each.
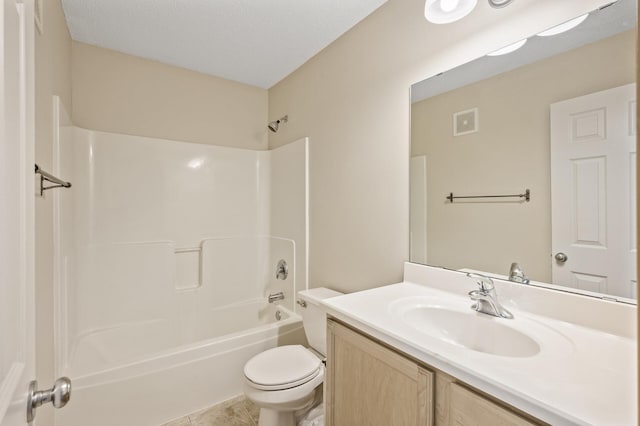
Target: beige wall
(509, 153)
(352, 100)
(52, 77)
(119, 93)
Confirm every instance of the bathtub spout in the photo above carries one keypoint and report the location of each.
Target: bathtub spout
(276, 296)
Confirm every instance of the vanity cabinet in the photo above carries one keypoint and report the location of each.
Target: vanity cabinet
(368, 383)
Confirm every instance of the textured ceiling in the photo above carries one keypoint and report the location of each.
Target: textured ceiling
(257, 42)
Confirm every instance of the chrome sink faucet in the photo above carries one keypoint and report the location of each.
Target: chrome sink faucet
(516, 274)
(486, 298)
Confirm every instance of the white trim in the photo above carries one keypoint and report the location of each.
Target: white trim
(306, 214)
(38, 15)
(59, 308)
(9, 386)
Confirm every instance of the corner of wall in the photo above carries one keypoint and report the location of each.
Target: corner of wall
(120, 93)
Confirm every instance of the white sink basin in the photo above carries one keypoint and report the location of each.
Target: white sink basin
(478, 332)
(457, 324)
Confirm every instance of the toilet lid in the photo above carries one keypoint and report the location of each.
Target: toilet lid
(282, 367)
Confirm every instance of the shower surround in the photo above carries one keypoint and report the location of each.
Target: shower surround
(165, 254)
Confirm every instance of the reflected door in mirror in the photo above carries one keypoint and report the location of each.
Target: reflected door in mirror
(593, 157)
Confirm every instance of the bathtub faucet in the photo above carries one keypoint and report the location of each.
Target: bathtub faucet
(273, 297)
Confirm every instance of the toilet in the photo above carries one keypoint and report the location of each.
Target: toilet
(284, 380)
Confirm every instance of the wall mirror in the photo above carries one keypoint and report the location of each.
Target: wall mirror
(554, 119)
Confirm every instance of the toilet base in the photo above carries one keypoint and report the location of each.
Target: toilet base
(285, 415)
(270, 417)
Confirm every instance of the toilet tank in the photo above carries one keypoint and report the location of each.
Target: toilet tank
(314, 318)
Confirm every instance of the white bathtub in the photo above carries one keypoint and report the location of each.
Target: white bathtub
(140, 374)
(160, 278)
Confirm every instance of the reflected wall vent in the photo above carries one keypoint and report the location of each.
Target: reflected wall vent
(465, 122)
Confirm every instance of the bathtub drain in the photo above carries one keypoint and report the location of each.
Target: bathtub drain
(278, 315)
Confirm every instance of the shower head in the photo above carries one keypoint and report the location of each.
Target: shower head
(273, 126)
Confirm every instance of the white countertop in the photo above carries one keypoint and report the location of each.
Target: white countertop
(581, 376)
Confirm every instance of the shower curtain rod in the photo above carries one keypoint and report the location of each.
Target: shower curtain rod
(44, 176)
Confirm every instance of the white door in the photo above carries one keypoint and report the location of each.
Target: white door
(16, 210)
(593, 163)
(418, 209)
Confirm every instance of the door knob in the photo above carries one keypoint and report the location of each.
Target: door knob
(58, 395)
(561, 257)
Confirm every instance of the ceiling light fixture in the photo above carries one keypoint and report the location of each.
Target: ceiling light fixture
(508, 49)
(564, 27)
(447, 11)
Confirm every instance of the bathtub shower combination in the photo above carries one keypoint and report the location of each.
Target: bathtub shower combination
(166, 253)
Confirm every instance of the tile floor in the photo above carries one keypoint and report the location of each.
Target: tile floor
(234, 412)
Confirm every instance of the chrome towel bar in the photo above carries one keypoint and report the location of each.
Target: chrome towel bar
(526, 196)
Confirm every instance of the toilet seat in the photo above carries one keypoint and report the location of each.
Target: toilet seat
(281, 368)
(287, 399)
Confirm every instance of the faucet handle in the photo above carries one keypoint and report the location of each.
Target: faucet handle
(485, 283)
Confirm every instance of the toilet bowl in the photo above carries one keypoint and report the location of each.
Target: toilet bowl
(284, 380)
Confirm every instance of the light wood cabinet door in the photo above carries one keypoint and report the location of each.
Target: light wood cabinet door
(370, 384)
(466, 408)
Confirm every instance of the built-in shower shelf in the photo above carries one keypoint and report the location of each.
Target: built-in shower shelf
(188, 268)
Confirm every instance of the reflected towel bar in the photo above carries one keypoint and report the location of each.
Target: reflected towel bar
(526, 196)
(44, 176)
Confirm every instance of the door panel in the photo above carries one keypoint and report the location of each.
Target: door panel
(593, 191)
(16, 210)
(418, 209)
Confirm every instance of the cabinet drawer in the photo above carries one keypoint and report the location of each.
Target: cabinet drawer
(467, 408)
